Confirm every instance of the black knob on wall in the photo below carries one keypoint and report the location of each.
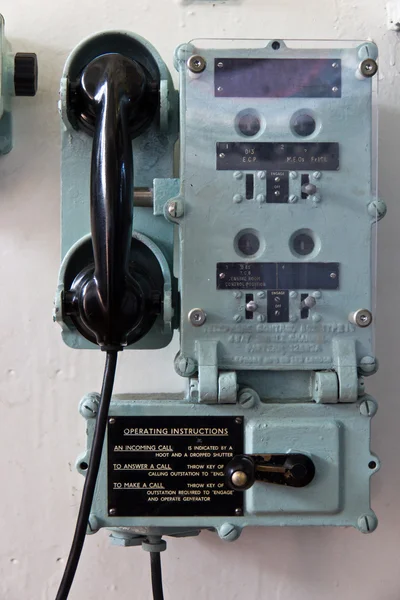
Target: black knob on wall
(25, 74)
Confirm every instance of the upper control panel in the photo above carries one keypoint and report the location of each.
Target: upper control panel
(276, 184)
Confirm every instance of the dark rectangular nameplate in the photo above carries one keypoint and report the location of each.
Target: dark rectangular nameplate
(277, 187)
(278, 276)
(278, 306)
(172, 466)
(277, 78)
(276, 156)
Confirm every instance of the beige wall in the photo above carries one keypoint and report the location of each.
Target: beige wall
(41, 381)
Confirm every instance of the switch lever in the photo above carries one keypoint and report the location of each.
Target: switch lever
(294, 470)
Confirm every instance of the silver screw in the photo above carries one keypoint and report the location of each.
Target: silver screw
(277, 179)
(237, 295)
(239, 420)
(220, 65)
(261, 198)
(333, 275)
(261, 174)
(111, 421)
(261, 295)
(220, 89)
(293, 198)
(175, 209)
(237, 198)
(277, 193)
(221, 155)
(112, 512)
(222, 275)
(317, 174)
(238, 512)
(238, 175)
(361, 317)
(335, 65)
(197, 317)
(261, 318)
(237, 318)
(335, 89)
(293, 294)
(196, 63)
(293, 174)
(368, 67)
(317, 294)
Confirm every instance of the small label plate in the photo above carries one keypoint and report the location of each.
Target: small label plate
(278, 276)
(172, 466)
(278, 156)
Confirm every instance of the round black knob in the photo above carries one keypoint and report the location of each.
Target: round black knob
(25, 74)
(240, 473)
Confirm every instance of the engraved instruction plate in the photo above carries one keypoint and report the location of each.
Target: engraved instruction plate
(172, 466)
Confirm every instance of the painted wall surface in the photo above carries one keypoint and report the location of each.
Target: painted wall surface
(41, 380)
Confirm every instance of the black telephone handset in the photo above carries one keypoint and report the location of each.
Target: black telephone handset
(112, 300)
(116, 100)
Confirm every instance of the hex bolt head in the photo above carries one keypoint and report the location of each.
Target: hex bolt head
(196, 63)
(229, 532)
(89, 405)
(367, 523)
(368, 407)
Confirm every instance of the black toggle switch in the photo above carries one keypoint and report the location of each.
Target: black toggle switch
(293, 470)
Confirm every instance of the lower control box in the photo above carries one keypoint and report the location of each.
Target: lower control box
(185, 462)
